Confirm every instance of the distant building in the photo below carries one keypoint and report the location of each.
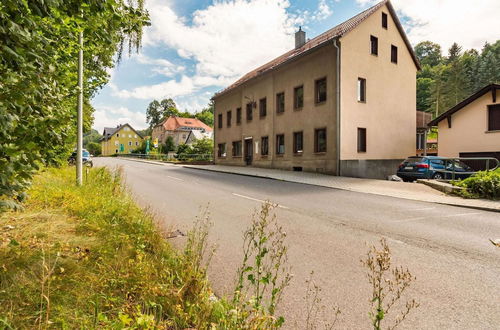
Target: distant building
(425, 146)
(472, 127)
(179, 129)
(341, 103)
(196, 135)
(122, 139)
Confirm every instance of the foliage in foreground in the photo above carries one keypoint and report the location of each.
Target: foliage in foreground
(483, 184)
(86, 257)
(38, 77)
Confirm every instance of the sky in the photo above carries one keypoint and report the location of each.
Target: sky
(195, 48)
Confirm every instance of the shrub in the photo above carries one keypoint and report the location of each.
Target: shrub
(484, 184)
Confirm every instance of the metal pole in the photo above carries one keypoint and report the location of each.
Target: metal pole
(79, 136)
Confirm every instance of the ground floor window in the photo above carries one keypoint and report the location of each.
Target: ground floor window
(320, 140)
(361, 139)
(280, 144)
(264, 146)
(237, 149)
(221, 150)
(298, 142)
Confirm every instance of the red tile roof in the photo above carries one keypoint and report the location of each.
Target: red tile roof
(174, 123)
(336, 32)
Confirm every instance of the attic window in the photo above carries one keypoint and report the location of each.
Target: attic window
(384, 20)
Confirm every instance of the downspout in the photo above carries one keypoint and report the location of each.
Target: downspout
(337, 100)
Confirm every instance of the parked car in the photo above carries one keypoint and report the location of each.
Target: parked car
(86, 158)
(431, 167)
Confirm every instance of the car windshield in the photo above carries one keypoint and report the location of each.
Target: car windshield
(86, 154)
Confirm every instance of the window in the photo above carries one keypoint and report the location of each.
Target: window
(229, 116)
(361, 90)
(320, 90)
(220, 120)
(394, 54)
(130, 143)
(263, 107)
(237, 149)
(135, 135)
(373, 45)
(420, 141)
(320, 140)
(494, 117)
(384, 20)
(116, 143)
(264, 146)
(249, 111)
(280, 144)
(298, 142)
(136, 143)
(298, 97)
(221, 150)
(280, 102)
(361, 139)
(130, 136)
(117, 134)
(238, 116)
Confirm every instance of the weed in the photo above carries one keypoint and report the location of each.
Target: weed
(315, 308)
(388, 285)
(264, 272)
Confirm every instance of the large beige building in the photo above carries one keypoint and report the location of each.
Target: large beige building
(341, 103)
(472, 127)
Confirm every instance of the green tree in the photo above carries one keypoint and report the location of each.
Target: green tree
(159, 111)
(454, 53)
(428, 53)
(94, 148)
(437, 91)
(207, 115)
(91, 136)
(424, 93)
(203, 147)
(169, 145)
(38, 74)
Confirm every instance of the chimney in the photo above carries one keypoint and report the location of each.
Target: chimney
(300, 38)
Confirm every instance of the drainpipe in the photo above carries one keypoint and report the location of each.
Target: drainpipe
(337, 100)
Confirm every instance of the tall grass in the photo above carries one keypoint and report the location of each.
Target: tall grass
(89, 257)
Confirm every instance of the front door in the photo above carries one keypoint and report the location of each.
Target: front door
(248, 151)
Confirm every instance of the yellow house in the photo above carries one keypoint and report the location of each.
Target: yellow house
(122, 139)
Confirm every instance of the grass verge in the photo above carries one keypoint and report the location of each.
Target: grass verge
(89, 257)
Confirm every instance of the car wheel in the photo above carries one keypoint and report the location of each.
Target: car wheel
(437, 176)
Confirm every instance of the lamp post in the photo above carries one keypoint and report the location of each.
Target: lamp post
(79, 136)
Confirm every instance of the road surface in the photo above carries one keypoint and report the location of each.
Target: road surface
(328, 232)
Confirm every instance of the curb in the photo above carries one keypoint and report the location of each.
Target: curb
(482, 208)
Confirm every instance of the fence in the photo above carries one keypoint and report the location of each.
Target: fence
(185, 158)
(455, 166)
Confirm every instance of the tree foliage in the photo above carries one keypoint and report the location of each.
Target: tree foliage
(38, 76)
(445, 81)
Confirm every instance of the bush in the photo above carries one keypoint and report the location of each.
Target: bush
(484, 184)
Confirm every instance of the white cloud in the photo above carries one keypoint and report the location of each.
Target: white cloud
(324, 11)
(469, 23)
(160, 66)
(106, 116)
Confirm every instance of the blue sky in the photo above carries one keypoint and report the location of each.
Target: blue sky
(197, 47)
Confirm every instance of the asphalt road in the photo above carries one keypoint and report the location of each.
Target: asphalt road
(328, 232)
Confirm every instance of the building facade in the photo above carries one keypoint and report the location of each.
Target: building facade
(179, 129)
(342, 103)
(122, 139)
(472, 127)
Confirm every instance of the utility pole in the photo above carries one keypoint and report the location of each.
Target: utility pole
(79, 136)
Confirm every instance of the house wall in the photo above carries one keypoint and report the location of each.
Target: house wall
(126, 135)
(303, 71)
(388, 114)
(469, 129)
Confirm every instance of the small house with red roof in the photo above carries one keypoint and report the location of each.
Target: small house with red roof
(179, 129)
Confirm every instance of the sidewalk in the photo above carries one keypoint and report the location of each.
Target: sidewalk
(413, 191)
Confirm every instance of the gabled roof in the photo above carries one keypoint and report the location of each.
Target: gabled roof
(174, 123)
(321, 40)
(108, 132)
(490, 88)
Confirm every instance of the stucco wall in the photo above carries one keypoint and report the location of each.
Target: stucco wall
(468, 132)
(303, 71)
(388, 114)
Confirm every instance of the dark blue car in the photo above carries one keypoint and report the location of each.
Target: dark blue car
(432, 167)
